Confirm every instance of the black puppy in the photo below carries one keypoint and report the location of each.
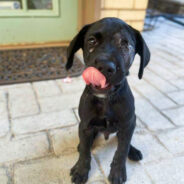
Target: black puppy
(110, 46)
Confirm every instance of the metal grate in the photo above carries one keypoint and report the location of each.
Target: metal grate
(169, 9)
(29, 65)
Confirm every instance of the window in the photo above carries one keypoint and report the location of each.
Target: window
(40, 4)
(10, 5)
(29, 8)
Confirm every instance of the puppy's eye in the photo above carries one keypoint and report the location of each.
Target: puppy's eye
(92, 41)
(123, 43)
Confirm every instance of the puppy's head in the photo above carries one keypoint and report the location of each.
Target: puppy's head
(110, 46)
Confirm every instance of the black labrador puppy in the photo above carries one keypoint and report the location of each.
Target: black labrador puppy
(110, 46)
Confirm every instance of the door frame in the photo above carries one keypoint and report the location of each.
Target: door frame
(88, 12)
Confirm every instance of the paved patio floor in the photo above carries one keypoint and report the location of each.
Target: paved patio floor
(39, 122)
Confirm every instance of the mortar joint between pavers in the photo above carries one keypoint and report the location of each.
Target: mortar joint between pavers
(151, 70)
(165, 94)
(158, 140)
(164, 57)
(34, 160)
(9, 172)
(155, 107)
(36, 98)
(162, 79)
(100, 168)
(73, 110)
(170, 108)
(145, 125)
(49, 138)
(9, 114)
(60, 89)
(148, 176)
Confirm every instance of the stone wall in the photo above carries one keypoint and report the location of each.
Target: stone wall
(131, 11)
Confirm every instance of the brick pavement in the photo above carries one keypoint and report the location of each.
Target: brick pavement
(39, 122)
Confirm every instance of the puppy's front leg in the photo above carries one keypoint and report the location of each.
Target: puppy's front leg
(80, 170)
(118, 165)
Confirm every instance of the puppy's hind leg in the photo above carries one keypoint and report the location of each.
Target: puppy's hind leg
(134, 154)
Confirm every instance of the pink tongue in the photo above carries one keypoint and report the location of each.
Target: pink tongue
(93, 76)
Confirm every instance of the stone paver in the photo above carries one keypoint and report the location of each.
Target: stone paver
(176, 115)
(170, 65)
(150, 147)
(77, 114)
(3, 110)
(161, 84)
(22, 102)
(179, 83)
(104, 155)
(65, 140)
(3, 177)
(161, 71)
(76, 85)
(173, 140)
(155, 97)
(95, 175)
(4, 122)
(51, 171)
(59, 103)
(43, 121)
(177, 96)
(39, 123)
(167, 172)
(136, 174)
(23, 149)
(135, 93)
(150, 116)
(46, 88)
(144, 87)
(2, 96)
(140, 127)
(5, 88)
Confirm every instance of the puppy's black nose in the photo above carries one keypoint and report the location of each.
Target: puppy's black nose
(108, 68)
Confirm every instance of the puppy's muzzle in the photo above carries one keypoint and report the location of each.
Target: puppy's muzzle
(108, 68)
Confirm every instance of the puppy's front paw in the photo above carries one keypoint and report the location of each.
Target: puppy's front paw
(79, 173)
(117, 176)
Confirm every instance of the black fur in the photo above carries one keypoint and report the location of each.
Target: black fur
(109, 45)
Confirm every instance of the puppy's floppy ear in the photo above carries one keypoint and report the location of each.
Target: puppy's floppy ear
(75, 45)
(142, 49)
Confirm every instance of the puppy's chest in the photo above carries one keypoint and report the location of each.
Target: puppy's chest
(105, 120)
(103, 109)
